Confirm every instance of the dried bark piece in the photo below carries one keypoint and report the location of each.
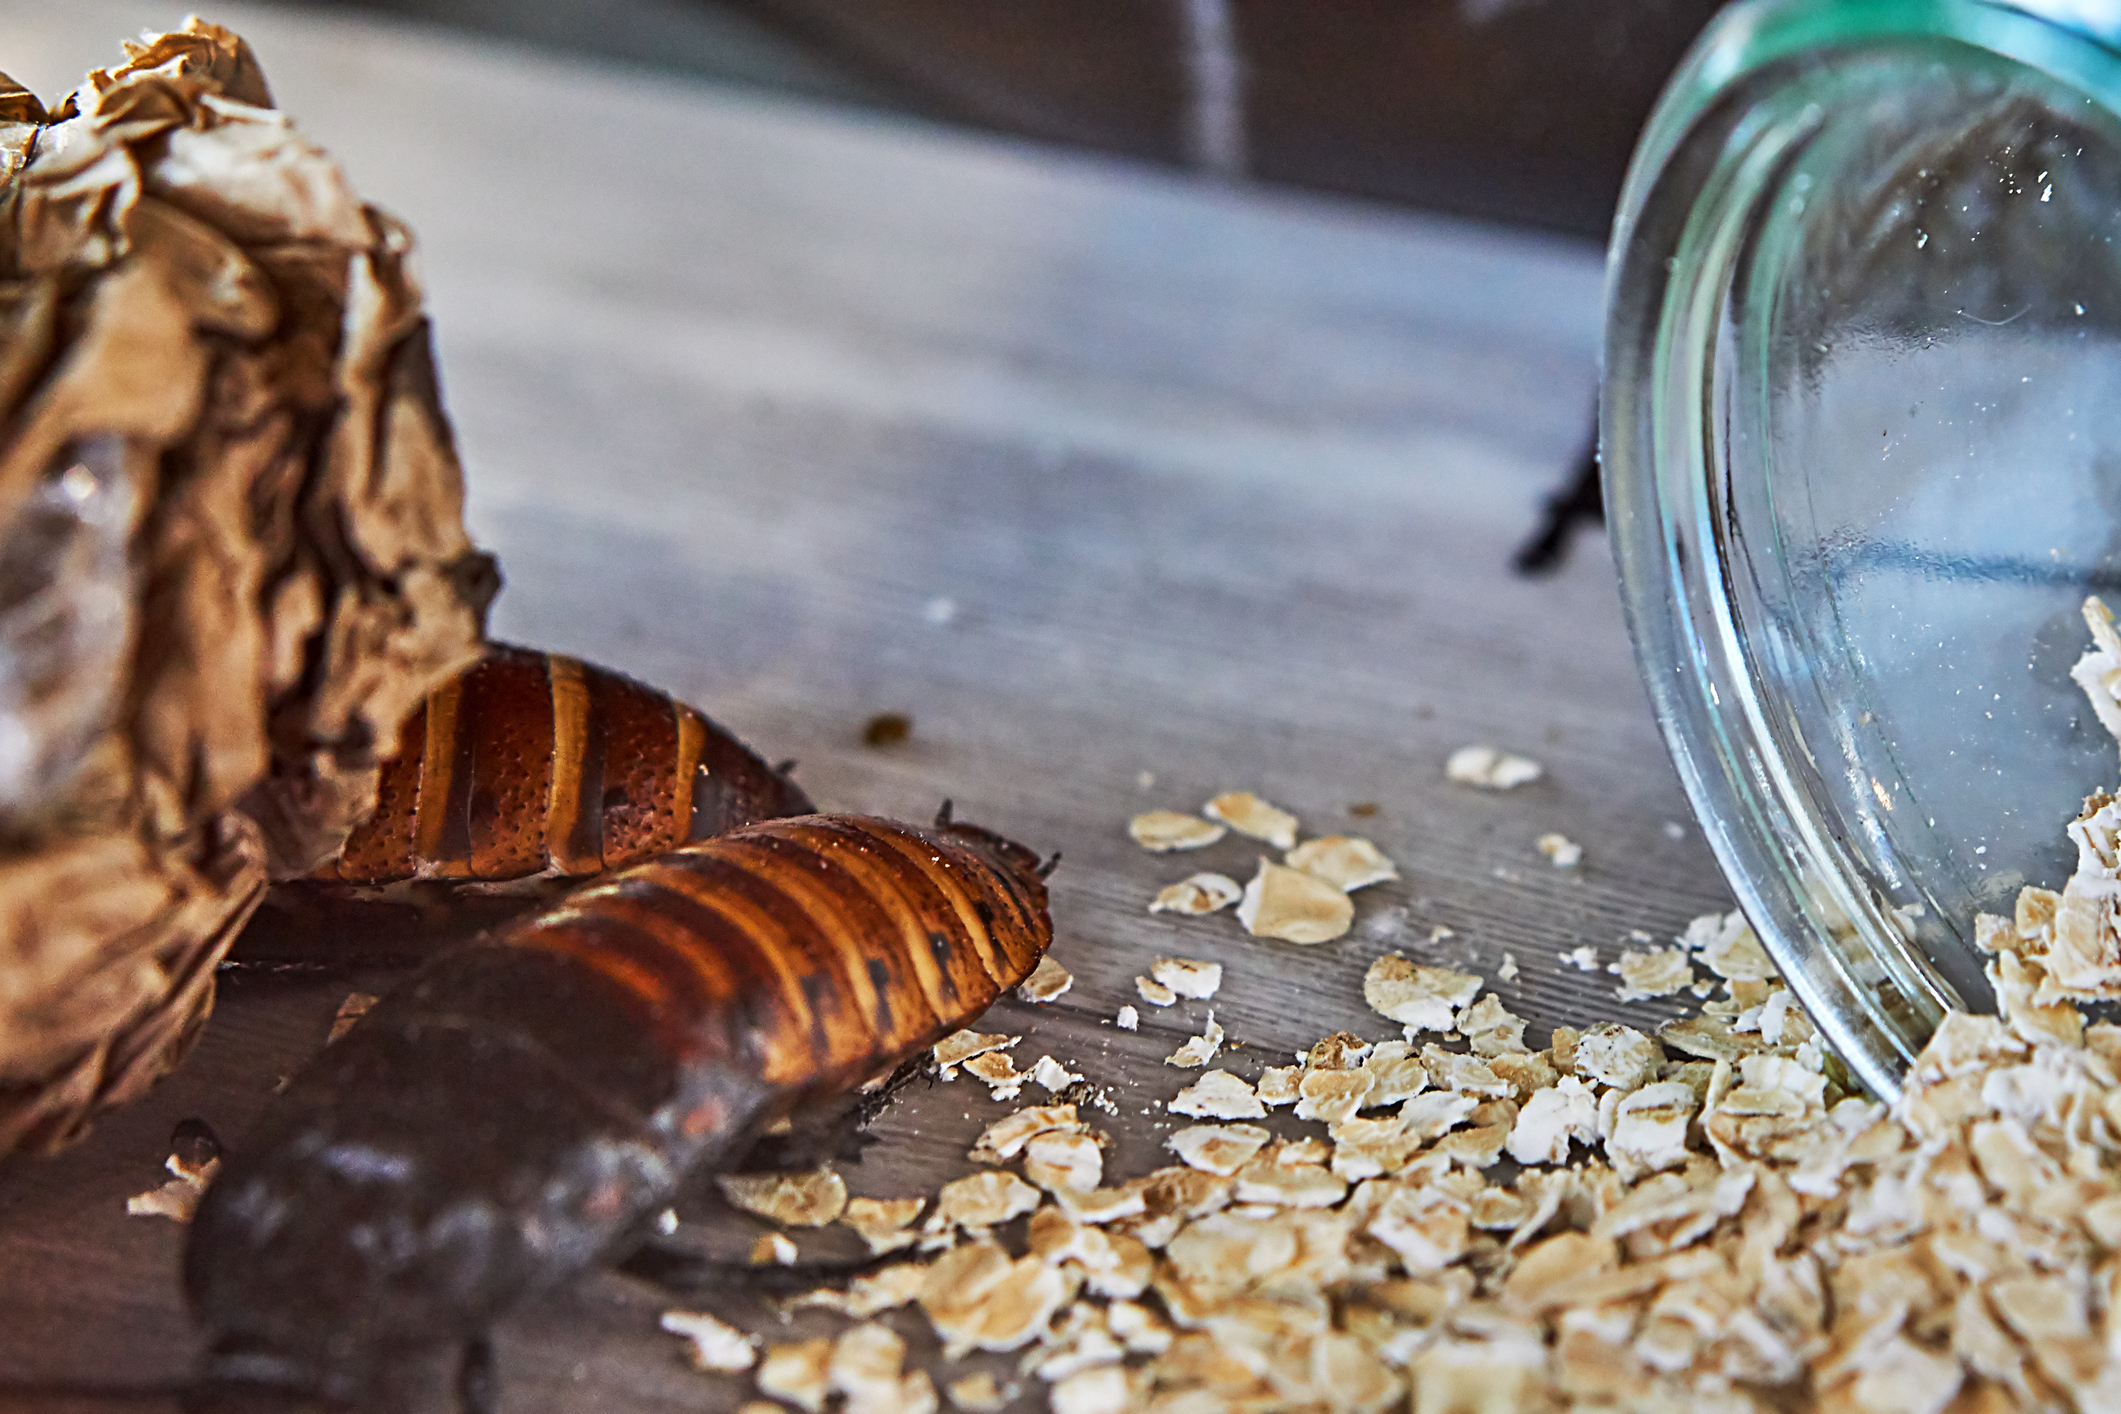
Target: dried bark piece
(1247, 814)
(809, 1199)
(1165, 830)
(711, 1344)
(1347, 862)
(1293, 906)
(1491, 768)
(1188, 977)
(1198, 895)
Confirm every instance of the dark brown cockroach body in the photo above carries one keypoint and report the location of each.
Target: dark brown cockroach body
(533, 763)
(515, 1111)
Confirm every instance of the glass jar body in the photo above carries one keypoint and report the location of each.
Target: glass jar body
(1862, 440)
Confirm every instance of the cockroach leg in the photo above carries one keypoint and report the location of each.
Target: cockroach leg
(1048, 865)
(942, 815)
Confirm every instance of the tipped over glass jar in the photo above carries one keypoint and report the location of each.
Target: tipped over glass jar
(1861, 430)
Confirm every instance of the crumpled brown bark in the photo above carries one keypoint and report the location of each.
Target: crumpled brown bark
(232, 552)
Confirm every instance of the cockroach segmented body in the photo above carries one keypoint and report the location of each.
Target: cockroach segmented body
(533, 763)
(518, 1108)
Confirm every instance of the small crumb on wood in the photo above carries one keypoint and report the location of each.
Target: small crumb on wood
(1128, 1019)
(1583, 959)
(773, 1249)
(1153, 992)
(356, 1006)
(1052, 1075)
(1508, 971)
(1363, 809)
(1490, 768)
(887, 729)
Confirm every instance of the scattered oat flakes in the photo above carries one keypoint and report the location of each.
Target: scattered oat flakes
(355, 1007)
(773, 1249)
(882, 1223)
(978, 1299)
(1347, 862)
(1187, 977)
(1617, 1055)
(1102, 1389)
(1729, 947)
(1219, 1095)
(980, 1392)
(1279, 1085)
(1420, 998)
(808, 1199)
(1508, 971)
(1656, 972)
(1200, 1049)
(797, 1373)
(1218, 1148)
(981, 1200)
(867, 1364)
(870, 1294)
(960, 1046)
(1198, 894)
(1583, 959)
(1247, 814)
(1293, 906)
(1063, 1159)
(1047, 982)
(711, 1344)
(1003, 1080)
(1154, 992)
(1006, 1137)
(1049, 1074)
(1491, 769)
(1561, 851)
(1127, 1019)
(1163, 830)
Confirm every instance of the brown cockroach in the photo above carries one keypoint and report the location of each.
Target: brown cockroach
(533, 763)
(519, 1107)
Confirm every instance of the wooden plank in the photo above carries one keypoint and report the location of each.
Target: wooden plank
(1093, 472)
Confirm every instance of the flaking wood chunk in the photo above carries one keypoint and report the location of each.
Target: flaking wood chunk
(1188, 977)
(1347, 862)
(1198, 895)
(232, 553)
(1293, 906)
(1247, 814)
(808, 1199)
(1491, 768)
(1165, 830)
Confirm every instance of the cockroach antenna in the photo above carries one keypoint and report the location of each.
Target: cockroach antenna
(785, 768)
(942, 816)
(1047, 866)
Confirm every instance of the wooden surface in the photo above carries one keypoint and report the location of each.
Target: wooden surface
(1217, 487)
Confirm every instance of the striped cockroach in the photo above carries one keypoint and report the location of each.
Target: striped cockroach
(533, 763)
(517, 1109)
(523, 773)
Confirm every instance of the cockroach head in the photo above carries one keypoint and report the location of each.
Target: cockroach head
(1006, 855)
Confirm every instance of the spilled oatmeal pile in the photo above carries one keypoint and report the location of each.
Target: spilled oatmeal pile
(1706, 1219)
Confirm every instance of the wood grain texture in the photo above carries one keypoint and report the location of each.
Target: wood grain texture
(1089, 471)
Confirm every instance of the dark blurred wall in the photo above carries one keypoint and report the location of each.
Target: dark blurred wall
(1515, 110)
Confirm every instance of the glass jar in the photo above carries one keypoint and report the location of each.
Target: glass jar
(1862, 440)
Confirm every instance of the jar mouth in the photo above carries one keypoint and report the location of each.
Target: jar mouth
(1864, 333)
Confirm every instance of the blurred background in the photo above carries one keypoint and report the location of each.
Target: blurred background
(1522, 111)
